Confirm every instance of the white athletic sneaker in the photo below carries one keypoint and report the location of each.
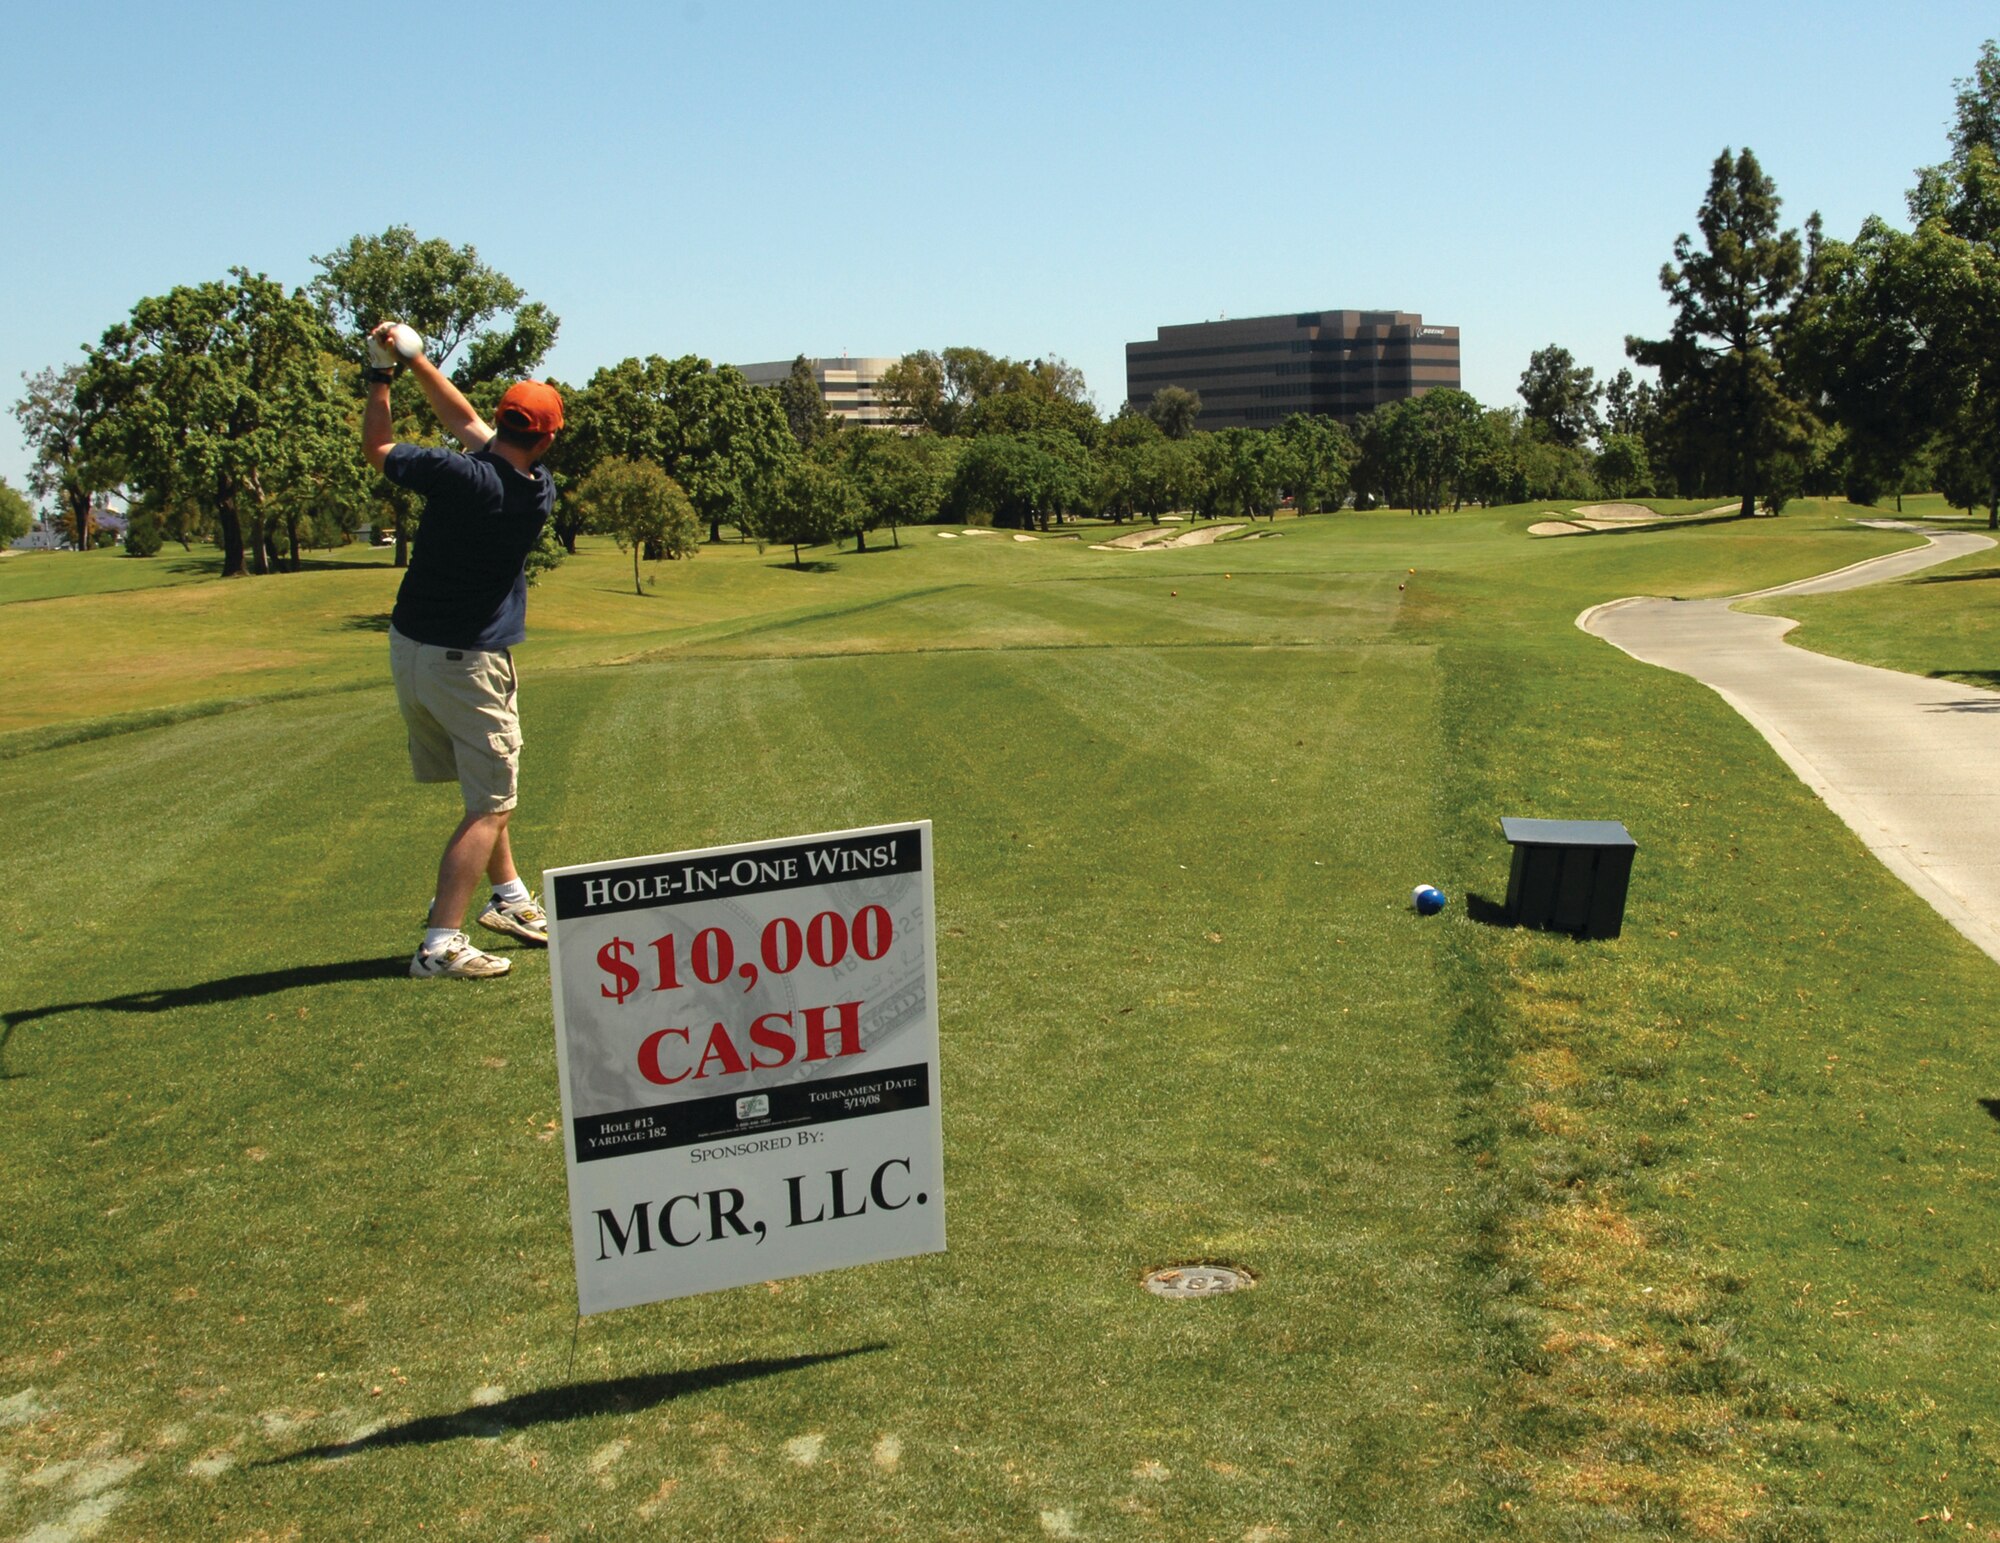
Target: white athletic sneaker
(456, 956)
(524, 919)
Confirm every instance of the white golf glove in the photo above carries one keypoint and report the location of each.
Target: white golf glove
(394, 346)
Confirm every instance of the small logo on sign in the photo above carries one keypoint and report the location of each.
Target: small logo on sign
(756, 1107)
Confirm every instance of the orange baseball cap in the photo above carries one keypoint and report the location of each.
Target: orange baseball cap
(531, 407)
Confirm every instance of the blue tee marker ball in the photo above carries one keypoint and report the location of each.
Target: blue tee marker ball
(1427, 899)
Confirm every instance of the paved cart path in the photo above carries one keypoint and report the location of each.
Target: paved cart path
(1911, 764)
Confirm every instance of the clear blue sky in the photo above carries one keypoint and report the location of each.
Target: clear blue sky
(750, 182)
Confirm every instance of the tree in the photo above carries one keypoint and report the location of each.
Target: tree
(1175, 409)
(17, 516)
(895, 475)
(641, 506)
(1454, 438)
(721, 438)
(545, 556)
(1900, 332)
(477, 325)
(1319, 456)
(143, 537)
(1425, 452)
(1026, 406)
(224, 394)
(1731, 416)
(1018, 481)
(805, 406)
(915, 386)
(1553, 471)
(935, 391)
(1561, 396)
(1961, 193)
(1951, 272)
(1118, 456)
(955, 393)
(1867, 344)
(54, 421)
(1168, 475)
(1623, 469)
(1504, 459)
(809, 505)
(447, 293)
(1243, 474)
(734, 441)
(1630, 406)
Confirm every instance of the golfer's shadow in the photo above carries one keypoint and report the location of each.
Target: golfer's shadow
(230, 988)
(549, 1406)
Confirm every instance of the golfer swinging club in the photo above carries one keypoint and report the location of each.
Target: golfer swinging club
(463, 604)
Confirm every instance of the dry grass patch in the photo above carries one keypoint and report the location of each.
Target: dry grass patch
(1627, 1406)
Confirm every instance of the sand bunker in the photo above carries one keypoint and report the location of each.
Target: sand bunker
(1158, 538)
(1019, 537)
(947, 535)
(1137, 540)
(1203, 536)
(1593, 517)
(1617, 513)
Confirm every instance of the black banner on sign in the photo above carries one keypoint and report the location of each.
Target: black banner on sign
(600, 1136)
(638, 886)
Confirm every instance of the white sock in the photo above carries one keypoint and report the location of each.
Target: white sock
(435, 938)
(513, 892)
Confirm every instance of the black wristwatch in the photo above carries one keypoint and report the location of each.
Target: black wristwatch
(377, 375)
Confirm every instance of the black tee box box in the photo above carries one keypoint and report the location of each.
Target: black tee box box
(1569, 875)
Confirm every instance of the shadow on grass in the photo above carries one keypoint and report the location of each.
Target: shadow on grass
(1670, 522)
(1991, 1106)
(230, 988)
(1970, 575)
(552, 1406)
(803, 567)
(188, 562)
(376, 623)
(1488, 913)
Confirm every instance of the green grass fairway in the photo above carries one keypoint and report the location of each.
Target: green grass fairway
(1689, 1234)
(1941, 622)
(66, 575)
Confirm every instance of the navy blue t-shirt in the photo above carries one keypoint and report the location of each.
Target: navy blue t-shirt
(467, 585)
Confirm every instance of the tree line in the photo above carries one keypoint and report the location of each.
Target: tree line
(228, 410)
(1807, 364)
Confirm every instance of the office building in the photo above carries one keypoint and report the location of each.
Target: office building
(847, 385)
(1254, 372)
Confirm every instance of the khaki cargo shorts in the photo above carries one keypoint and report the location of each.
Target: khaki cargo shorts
(458, 704)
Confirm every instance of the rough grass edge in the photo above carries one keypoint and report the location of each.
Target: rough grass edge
(1605, 1415)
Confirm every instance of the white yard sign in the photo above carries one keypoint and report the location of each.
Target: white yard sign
(747, 1041)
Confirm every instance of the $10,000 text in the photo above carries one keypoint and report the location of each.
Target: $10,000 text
(711, 958)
